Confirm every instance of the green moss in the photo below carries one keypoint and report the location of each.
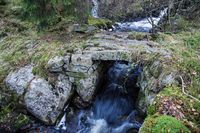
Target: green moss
(20, 121)
(4, 112)
(124, 56)
(76, 75)
(193, 41)
(139, 36)
(151, 110)
(40, 71)
(174, 94)
(99, 22)
(171, 91)
(163, 124)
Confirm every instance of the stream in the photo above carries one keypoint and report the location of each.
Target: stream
(114, 107)
(142, 25)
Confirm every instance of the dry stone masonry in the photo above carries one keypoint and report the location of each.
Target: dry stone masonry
(81, 72)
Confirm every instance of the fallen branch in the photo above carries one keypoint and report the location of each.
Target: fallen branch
(183, 90)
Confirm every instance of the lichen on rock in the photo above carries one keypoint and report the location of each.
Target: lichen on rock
(19, 80)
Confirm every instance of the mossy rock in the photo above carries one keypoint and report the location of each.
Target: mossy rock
(163, 124)
(99, 22)
(172, 101)
(139, 36)
(20, 121)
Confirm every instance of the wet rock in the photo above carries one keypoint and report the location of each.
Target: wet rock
(19, 80)
(55, 64)
(79, 103)
(42, 102)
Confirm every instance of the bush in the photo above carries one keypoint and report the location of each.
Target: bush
(49, 12)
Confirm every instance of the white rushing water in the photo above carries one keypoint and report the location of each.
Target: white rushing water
(106, 115)
(144, 25)
(95, 9)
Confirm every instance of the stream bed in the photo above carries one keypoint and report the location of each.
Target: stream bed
(113, 110)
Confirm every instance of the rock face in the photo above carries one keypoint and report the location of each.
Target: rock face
(19, 80)
(153, 79)
(121, 9)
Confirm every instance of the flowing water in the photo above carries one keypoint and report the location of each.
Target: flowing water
(143, 25)
(95, 8)
(113, 110)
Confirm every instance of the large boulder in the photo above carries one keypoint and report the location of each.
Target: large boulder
(85, 74)
(40, 98)
(46, 102)
(19, 80)
(41, 101)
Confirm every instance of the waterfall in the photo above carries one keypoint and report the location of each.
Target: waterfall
(144, 25)
(95, 8)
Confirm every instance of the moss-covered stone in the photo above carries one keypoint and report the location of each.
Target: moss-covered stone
(173, 102)
(40, 71)
(163, 124)
(151, 110)
(99, 22)
(139, 36)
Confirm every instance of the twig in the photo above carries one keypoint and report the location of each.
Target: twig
(5, 94)
(183, 90)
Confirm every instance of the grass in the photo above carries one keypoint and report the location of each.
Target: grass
(21, 47)
(189, 107)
